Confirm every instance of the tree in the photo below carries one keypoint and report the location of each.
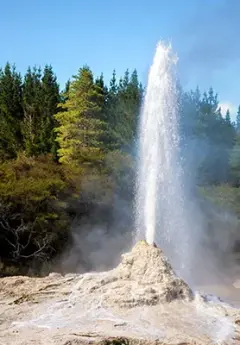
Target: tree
(219, 113)
(124, 103)
(11, 112)
(79, 127)
(219, 137)
(102, 89)
(110, 112)
(32, 103)
(50, 100)
(67, 88)
(211, 136)
(235, 163)
(40, 98)
(228, 118)
(238, 120)
(113, 84)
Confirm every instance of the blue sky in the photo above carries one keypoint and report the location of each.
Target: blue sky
(122, 34)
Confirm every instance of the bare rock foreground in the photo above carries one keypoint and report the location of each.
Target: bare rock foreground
(142, 301)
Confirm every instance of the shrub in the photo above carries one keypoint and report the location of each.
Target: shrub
(34, 224)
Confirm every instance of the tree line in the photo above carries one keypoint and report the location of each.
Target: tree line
(78, 124)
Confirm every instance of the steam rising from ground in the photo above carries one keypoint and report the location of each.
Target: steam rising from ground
(95, 248)
(98, 240)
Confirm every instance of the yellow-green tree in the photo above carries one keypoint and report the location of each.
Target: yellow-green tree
(79, 128)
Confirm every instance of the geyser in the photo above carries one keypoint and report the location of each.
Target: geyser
(161, 218)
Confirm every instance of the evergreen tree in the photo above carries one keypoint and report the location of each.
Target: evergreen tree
(33, 106)
(238, 120)
(189, 113)
(50, 99)
(219, 113)
(218, 138)
(64, 95)
(123, 108)
(129, 99)
(228, 117)
(125, 81)
(11, 111)
(103, 90)
(135, 94)
(110, 111)
(235, 162)
(80, 129)
(203, 124)
(113, 84)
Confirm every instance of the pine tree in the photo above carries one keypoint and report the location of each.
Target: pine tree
(219, 113)
(127, 111)
(80, 129)
(11, 111)
(103, 90)
(235, 162)
(228, 117)
(125, 81)
(202, 122)
(32, 102)
(113, 84)
(50, 99)
(238, 120)
(111, 111)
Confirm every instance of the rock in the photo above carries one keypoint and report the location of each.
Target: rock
(146, 275)
(141, 301)
(54, 275)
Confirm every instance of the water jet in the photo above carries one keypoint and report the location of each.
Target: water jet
(160, 202)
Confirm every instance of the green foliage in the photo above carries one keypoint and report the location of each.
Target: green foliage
(27, 179)
(80, 127)
(202, 122)
(32, 111)
(40, 98)
(224, 196)
(11, 112)
(235, 162)
(121, 167)
(228, 117)
(238, 120)
(50, 100)
(34, 224)
(123, 109)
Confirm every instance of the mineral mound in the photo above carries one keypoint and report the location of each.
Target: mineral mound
(142, 301)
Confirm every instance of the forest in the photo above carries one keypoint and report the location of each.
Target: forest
(67, 154)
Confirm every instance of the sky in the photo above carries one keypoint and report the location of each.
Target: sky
(122, 34)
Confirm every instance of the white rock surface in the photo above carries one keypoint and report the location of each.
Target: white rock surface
(142, 301)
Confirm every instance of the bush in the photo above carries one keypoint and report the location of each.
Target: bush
(34, 224)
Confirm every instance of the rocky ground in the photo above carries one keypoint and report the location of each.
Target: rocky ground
(141, 301)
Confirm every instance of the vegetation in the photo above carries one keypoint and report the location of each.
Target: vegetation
(63, 154)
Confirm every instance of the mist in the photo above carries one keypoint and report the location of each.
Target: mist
(213, 252)
(98, 245)
(105, 228)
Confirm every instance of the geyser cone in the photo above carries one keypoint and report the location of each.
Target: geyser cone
(159, 199)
